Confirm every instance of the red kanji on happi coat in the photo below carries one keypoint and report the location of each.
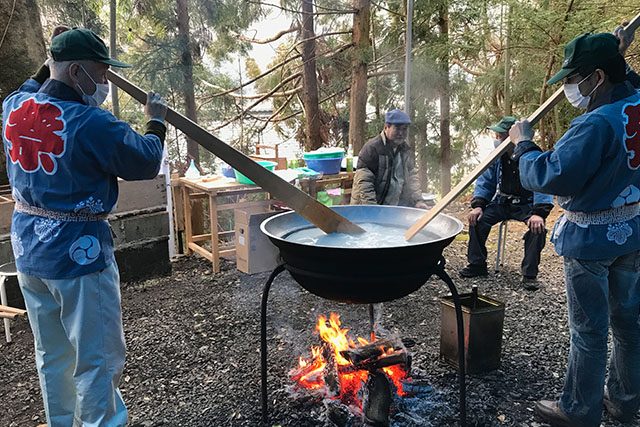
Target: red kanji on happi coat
(632, 137)
(34, 131)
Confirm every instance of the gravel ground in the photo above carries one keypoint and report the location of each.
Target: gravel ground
(193, 347)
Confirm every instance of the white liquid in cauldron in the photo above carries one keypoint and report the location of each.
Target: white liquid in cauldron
(376, 236)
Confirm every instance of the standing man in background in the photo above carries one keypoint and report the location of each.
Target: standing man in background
(386, 173)
(64, 157)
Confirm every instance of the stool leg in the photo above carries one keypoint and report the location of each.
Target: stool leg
(504, 243)
(3, 301)
(499, 254)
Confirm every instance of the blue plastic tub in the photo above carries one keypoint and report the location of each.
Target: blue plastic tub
(325, 166)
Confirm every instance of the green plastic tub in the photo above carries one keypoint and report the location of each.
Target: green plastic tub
(241, 179)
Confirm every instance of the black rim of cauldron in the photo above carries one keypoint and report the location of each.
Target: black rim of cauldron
(360, 275)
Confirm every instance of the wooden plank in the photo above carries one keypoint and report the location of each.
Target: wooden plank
(494, 155)
(6, 315)
(14, 310)
(200, 250)
(312, 210)
(257, 203)
(213, 223)
(188, 233)
(178, 207)
(201, 237)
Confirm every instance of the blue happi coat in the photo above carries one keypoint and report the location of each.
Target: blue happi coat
(65, 156)
(594, 167)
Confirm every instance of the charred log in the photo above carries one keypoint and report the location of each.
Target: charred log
(339, 413)
(331, 374)
(377, 399)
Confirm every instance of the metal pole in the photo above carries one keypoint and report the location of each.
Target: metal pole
(407, 58)
(115, 105)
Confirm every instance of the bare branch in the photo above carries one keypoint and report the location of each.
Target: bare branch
(272, 69)
(383, 73)
(323, 100)
(314, 38)
(270, 39)
(278, 111)
(332, 12)
(248, 82)
(256, 96)
(401, 15)
(467, 69)
(265, 96)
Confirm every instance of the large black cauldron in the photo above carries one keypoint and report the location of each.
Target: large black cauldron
(363, 275)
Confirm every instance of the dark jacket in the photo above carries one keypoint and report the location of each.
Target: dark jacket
(373, 177)
(501, 181)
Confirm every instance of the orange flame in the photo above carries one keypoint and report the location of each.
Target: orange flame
(310, 372)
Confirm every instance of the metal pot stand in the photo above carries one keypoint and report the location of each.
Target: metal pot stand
(438, 270)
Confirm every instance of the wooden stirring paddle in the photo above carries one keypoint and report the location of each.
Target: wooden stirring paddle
(315, 212)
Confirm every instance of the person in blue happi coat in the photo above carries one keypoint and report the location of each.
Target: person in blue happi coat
(499, 196)
(64, 156)
(594, 171)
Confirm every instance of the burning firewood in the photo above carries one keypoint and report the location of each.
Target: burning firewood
(371, 351)
(398, 357)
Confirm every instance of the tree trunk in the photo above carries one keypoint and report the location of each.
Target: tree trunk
(313, 139)
(420, 142)
(186, 60)
(115, 104)
(358, 95)
(548, 126)
(23, 47)
(445, 106)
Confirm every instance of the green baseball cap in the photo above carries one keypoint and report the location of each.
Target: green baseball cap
(82, 44)
(586, 50)
(503, 125)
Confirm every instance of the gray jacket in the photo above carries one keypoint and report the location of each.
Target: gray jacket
(373, 180)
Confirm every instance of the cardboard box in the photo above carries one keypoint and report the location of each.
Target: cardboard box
(254, 251)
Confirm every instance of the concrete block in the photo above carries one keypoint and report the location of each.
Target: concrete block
(138, 195)
(144, 260)
(137, 227)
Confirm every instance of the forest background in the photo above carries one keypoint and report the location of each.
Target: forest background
(337, 67)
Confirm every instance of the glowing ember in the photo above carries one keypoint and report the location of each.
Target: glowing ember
(310, 373)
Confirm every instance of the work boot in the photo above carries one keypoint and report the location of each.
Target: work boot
(530, 283)
(474, 270)
(550, 412)
(616, 412)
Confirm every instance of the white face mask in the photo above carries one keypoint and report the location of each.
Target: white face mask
(99, 96)
(575, 98)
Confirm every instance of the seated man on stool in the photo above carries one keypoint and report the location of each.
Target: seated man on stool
(499, 196)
